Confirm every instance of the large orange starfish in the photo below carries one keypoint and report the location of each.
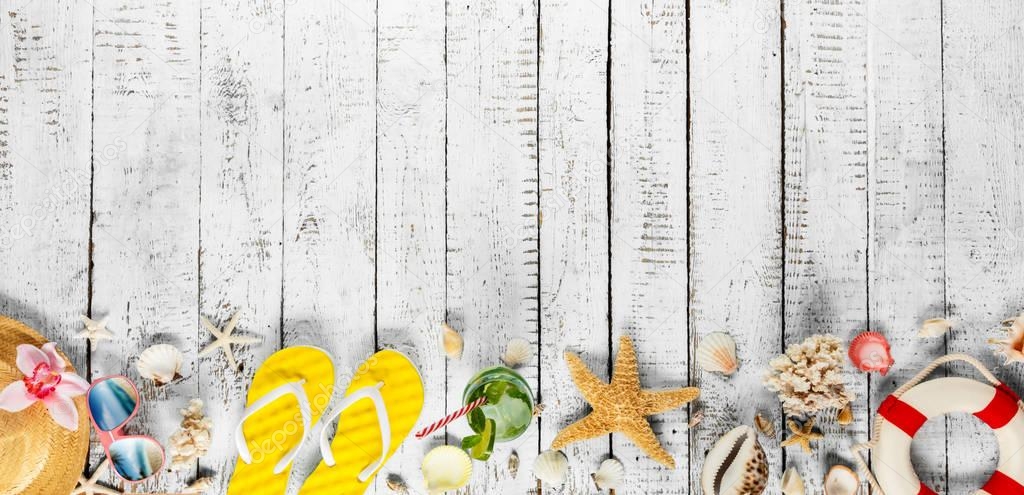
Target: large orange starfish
(621, 406)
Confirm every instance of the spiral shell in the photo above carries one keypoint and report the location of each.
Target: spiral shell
(792, 483)
(717, 353)
(452, 341)
(765, 425)
(160, 363)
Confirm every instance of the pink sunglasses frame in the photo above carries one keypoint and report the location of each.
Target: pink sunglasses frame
(109, 437)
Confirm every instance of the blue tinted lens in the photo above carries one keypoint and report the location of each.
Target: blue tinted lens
(136, 459)
(111, 403)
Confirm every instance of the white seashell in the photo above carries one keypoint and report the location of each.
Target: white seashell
(717, 353)
(452, 341)
(160, 363)
(446, 468)
(792, 483)
(199, 486)
(609, 475)
(517, 353)
(841, 480)
(934, 327)
(513, 464)
(736, 465)
(765, 425)
(551, 467)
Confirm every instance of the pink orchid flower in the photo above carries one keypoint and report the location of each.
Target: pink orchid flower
(45, 381)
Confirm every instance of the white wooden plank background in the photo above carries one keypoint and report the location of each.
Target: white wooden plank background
(350, 174)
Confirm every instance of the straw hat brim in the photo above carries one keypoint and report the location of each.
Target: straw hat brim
(39, 456)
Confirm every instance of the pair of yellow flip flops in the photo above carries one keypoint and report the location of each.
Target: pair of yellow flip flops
(290, 393)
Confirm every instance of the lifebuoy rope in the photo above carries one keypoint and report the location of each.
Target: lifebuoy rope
(910, 420)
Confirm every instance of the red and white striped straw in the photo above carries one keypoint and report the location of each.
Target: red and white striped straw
(441, 423)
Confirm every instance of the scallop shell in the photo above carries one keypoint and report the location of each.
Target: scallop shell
(446, 468)
(934, 327)
(517, 353)
(160, 363)
(717, 353)
(841, 480)
(845, 416)
(452, 341)
(792, 483)
(609, 475)
(765, 425)
(870, 351)
(551, 467)
(736, 465)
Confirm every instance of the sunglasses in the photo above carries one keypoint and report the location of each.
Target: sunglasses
(113, 401)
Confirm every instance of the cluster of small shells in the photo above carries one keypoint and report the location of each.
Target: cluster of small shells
(552, 467)
(809, 376)
(192, 439)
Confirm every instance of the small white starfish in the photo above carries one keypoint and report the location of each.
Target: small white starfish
(224, 339)
(95, 330)
(89, 486)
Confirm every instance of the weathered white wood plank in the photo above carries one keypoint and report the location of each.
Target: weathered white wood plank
(983, 107)
(906, 262)
(240, 207)
(45, 122)
(146, 199)
(649, 220)
(735, 210)
(329, 217)
(826, 239)
(411, 118)
(492, 205)
(574, 218)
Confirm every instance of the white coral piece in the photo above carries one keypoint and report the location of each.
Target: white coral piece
(809, 376)
(192, 439)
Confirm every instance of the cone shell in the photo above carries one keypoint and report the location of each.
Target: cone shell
(517, 353)
(841, 480)
(609, 475)
(452, 341)
(845, 416)
(551, 467)
(736, 465)
(792, 483)
(160, 363)
(446, 468)
(870, 351)
(717, 353)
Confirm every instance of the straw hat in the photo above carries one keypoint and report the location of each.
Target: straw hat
(39, 457)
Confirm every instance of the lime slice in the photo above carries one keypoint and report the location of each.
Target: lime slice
(480, 446)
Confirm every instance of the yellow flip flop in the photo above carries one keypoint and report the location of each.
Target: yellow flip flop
(380, 408)
(288, 395)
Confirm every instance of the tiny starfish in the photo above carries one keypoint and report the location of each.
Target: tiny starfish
(802, 436)
(95, 330)
(621, 406)
(223, 340)
(89, 486)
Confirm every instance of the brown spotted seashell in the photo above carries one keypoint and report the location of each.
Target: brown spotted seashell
(736, 465)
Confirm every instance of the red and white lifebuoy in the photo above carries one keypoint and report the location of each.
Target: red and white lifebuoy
(904, 412)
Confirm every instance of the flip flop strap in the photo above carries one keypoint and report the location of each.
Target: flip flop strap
(372, 393)
(292, 388)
